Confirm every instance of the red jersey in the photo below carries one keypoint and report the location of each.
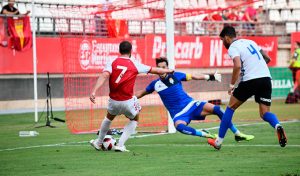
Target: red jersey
(233, 17)
(123, 72)
(251, 12)
(217, 17)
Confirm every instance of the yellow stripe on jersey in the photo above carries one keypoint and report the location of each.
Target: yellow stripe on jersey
(188, 77)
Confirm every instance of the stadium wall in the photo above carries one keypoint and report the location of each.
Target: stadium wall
(17, 89)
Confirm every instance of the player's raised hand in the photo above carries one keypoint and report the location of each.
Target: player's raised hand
(93, 98)
(218, 76)
(213, 77)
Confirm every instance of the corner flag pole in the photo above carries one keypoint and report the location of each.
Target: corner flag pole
(169, 11)
(34, 63)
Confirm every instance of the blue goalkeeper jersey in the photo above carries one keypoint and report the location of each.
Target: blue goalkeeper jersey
(171, 91)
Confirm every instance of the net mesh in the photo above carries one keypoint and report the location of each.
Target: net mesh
(90, 37)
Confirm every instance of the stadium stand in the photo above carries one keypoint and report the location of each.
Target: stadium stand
(202, 4)
(278, 11)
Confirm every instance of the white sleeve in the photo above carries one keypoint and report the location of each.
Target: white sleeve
(108, 67)
(141, 67)
(233, 52)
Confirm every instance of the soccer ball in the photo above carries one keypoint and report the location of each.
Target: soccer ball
(109, 143)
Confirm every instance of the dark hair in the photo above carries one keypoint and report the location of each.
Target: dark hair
(228, 31)
(162, 59)
(125, 47)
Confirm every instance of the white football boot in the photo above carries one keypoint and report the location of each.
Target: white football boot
(94, 143)
(121, 149)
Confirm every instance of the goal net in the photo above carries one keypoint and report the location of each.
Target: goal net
(90, 36)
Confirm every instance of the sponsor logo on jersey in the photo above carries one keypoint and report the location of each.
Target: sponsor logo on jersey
(265, 99)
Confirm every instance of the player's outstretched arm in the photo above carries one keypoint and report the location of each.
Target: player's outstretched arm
(265, 56)
(141, 93)
(158, 71)
(211, 77)
(103, 76)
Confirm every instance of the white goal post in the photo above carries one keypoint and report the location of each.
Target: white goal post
(169, 10)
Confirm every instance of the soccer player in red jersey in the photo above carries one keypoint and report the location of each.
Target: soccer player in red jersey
(122, 74)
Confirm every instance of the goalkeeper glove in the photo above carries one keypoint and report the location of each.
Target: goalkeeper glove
(214, 77)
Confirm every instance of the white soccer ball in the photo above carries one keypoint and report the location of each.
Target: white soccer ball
(109, 143)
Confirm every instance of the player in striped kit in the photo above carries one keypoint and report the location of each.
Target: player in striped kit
(122, 74)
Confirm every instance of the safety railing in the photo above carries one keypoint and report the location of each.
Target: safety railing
(95, 25)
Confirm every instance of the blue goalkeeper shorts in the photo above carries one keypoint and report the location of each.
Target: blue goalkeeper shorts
(191, 112)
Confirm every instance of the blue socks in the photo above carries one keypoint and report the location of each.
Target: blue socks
(219, 112)
(271, 118)
(226, 122)
(188, 130)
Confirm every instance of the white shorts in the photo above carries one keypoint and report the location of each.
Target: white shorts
(130, 108)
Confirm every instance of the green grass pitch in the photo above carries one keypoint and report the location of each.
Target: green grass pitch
(57, 152)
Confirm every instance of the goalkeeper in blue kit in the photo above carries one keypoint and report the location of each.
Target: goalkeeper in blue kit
(183, 109)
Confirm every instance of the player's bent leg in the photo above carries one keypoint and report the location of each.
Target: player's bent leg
(131, 111)
(274, 122)
(128, 130)
(215, 109)
(219, 112)
(267, 116)
(102, 131)
(182, 127)
(234, 103)
(226, 120)
(238, 136)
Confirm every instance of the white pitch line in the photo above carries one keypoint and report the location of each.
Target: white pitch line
(155, 134)
(257, 123)
(205, 145)
(147, 135)
(197, 145)
(40, 146)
